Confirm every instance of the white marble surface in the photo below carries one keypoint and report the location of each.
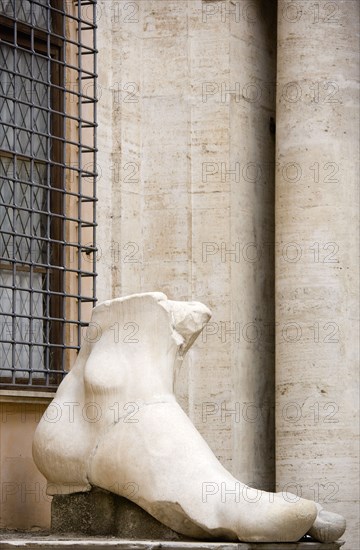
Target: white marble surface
(115, 424)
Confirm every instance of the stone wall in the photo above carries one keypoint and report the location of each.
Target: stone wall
(24, 502)
(186, 199)
(186, 206)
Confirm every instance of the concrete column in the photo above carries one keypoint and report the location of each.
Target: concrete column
(317, 302)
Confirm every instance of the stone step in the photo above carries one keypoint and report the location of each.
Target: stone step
(30, 541)
(100, 520)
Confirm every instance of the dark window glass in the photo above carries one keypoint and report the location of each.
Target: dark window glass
(47, 186)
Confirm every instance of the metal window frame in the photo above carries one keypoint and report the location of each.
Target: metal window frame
(65, 273)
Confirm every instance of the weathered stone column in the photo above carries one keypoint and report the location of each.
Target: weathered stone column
(316, 255)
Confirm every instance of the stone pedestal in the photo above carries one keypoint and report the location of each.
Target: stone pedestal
(85, 517)
(100, 512)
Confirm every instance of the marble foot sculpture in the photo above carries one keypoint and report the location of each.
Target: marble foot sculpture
(115, 424)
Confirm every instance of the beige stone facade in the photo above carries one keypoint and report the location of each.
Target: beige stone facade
(317, 300)
(199, 198)
(192, 200)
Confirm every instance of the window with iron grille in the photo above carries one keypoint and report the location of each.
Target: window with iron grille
(47, 186)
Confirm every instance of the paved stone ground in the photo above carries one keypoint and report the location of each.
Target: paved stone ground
(46, 541)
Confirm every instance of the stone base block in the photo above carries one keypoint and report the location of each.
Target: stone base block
(99, 512)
